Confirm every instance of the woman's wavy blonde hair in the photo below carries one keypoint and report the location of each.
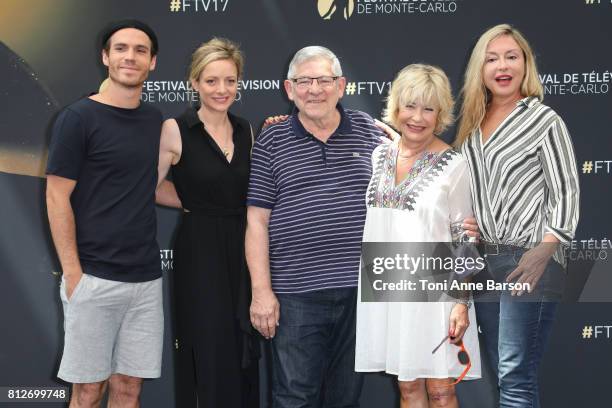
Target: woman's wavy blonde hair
(475, 96)
(424, 84)
(214, 50)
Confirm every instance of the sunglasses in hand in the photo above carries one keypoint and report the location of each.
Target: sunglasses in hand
(462, 356)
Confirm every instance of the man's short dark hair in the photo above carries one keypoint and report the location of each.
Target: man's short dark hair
(115, 26)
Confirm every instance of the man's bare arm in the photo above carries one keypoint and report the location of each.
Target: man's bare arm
(63, 228)
(265, 309)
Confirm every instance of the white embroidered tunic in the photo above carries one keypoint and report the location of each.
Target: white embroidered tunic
(428, 206)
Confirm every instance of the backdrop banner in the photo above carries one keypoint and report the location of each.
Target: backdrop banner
(49, 57)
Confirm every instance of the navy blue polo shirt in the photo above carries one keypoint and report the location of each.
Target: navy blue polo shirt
(316, 192)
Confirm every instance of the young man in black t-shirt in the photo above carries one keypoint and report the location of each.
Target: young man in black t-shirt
(101, 179)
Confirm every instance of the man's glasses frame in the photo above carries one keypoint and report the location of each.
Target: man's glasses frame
(306, 82)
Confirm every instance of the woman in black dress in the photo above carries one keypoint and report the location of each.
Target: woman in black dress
(208, 152)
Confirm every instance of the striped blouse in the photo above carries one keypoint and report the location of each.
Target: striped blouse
(524, 178)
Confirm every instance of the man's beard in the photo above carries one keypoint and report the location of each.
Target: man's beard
(129, 85)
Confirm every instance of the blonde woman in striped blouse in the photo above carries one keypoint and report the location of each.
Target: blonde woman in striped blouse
(525, 194)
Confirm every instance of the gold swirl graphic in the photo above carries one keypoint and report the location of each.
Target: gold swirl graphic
(327, 8)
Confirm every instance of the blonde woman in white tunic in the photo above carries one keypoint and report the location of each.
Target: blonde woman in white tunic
(419, 192)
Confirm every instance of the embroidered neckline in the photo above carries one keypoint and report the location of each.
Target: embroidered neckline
(421, 163)
(383, 192)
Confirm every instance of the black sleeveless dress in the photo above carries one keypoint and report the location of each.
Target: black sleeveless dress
(216, 348)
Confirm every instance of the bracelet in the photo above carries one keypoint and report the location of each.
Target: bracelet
(466, 302)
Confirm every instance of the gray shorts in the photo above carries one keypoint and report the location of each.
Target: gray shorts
(112, 328)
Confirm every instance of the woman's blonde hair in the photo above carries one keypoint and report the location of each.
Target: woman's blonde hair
(214, 50)
(423, 84)
(104, 85)
(475, 96)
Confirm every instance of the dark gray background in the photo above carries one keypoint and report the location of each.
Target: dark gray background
(57, 40)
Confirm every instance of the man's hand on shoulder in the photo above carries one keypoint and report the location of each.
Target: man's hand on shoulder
(273, 120)
(390, 133)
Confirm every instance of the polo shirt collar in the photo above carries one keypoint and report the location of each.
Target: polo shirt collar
(300, 131)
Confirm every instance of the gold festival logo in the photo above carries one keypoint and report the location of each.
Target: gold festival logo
(327, 8)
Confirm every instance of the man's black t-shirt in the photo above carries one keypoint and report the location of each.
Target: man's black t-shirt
(112, 153)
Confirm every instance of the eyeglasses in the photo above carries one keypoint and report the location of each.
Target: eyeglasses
(462, 356)
(304, 83)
